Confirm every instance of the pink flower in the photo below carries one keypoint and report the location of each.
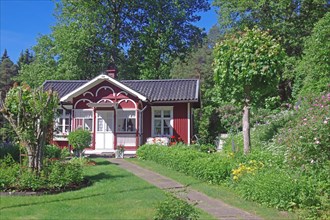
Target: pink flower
(317, 142)
(325, 122)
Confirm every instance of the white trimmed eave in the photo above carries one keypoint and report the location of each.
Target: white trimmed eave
(94, 82)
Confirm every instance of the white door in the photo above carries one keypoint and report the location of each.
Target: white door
(104, 130)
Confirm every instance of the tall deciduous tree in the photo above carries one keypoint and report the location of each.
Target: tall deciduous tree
(289, 21)
(247, 66)
(314, 68)
(138, 36)
(31, 114)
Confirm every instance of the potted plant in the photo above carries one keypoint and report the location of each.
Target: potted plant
(173, 140)
(120, 151)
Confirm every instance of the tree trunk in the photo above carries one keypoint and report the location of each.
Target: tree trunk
(246, 120)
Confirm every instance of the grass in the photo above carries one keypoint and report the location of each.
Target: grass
(226, 194)
(114, 194)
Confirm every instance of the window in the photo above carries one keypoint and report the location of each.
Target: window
(62, 122)
(126, 121)
(83, 119)
(162, 121)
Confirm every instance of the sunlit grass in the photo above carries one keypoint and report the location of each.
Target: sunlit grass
(114, 194)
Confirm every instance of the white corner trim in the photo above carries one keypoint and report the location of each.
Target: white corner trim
(189, 122)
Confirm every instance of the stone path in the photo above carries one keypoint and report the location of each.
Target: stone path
(215, 207)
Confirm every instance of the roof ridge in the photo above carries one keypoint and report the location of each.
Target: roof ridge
(156, 80)
(82, 80)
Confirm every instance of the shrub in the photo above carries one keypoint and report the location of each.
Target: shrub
(63, 174)
(80, 139)
(274, 188)
(52, 151)
(174, 208)
(213, 168)
(55, 175)
(10, 170)
(306, 138)
(11, 149)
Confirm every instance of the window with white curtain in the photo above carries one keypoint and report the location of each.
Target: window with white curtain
(126, 120)
(162, 121)
(83, 119)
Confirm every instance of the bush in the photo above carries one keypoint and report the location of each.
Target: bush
(52, 151)
(60, 175)
(305, 140)
(80, 139)
(10, 170)
(11, 149)
(55, 175)
(174, 208)
(213, 168)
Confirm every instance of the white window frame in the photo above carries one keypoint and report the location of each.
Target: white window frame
(118, 118)
(83, 118)
(60, 121)
(162, 118)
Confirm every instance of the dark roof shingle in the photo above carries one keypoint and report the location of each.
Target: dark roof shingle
(154, 90)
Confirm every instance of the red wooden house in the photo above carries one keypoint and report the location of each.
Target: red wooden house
(124, 113)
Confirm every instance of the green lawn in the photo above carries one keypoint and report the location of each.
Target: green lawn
(220, 192)
(114, 194)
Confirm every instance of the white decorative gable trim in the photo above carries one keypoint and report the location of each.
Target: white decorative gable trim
(82, 89)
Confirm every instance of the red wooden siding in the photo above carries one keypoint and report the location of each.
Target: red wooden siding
(180, 121)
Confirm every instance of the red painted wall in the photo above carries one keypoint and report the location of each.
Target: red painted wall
(180, 121)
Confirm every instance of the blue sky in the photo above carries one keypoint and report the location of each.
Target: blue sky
(22, 21)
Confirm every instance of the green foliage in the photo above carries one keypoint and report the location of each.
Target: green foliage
(52, 151)
(61, 174)
(290, 20)
(55, 175)
(31, 114)
(313, 71)
(230, 117)
(212, 168)
(80, 139)
(12, 149)
(174, 208)
(10, 170)
(142, 42)
(305, 140)
(248, 64)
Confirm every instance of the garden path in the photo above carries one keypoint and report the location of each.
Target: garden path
(214, 207)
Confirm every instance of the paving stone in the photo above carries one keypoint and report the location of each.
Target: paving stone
(214, 207)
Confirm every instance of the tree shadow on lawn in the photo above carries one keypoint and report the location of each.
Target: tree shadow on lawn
(103, 162)
(103, 176)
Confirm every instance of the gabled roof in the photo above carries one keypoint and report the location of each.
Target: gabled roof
(170, 90)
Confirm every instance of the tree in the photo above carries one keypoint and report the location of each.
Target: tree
(314, 69)
(31, 114)
(24, 58)
(8, 70)
(247, 67)
(141, 37)
(289, 21)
